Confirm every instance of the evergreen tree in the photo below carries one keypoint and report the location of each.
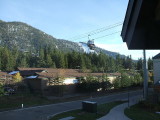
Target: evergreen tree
(105, 83)
(49, 62)
(41, 60)
(11, 63)
(118, 62)
(139, 64)
(5, 59)
(66, 61)
(128, 63)
(125, 80)
(111, 65)
(117, 83)
(150, 64)
(61, 63)
(41, 54)
(102, 62)
(87, 62)
(82, 63)
(23, 62)
(48, 57)
(1, 90)
(138, 79)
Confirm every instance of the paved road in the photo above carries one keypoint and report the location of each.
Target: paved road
(41, 112)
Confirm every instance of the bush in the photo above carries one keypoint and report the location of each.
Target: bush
(1, 90)
(106, 85)
(90, 84)
(117, 83)
(149, 106)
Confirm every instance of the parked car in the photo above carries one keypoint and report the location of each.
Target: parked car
(9, 90)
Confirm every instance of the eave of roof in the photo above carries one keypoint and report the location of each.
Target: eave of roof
(141, 27)
(156, 56)
(130, 21)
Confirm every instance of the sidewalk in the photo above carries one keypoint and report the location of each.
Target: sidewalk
(117, 113)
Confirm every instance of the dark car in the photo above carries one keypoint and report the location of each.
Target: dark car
(9, 90)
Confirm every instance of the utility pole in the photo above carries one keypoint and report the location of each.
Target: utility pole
(145, 74)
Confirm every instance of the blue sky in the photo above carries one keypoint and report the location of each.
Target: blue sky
(66, 19)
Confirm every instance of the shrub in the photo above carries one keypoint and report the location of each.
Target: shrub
(149, 106)
(1, 90)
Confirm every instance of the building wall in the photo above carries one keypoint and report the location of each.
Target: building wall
(70, 81)
(34, 85)
(59, 90)
(156, 69)
(111, 78)
(4, 79)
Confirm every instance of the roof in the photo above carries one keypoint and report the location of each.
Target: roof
(30, 71)
(51, 73)
(54, 72)
(67, 74)
(114, 74)
(21, 69)
(157, 56)
(32, 77)
(141, 25)
(4, 74)
(13, 72)
(73, 74)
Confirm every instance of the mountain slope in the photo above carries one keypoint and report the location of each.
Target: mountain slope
(27, 38)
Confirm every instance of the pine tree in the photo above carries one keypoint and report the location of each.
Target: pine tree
(66, 61)
(11, 62)
(82, 63)
(23, 62)
(111, 65)
(0, 58)
(41, 60)
(118, 63)
(88, 62)
(150, 64)
(5, 59)
(139, 64)
(49, 62)
(61, 60)
(41, 54)
(128, 63)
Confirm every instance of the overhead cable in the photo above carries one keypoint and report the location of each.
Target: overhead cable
(97, 31)
(107, 35)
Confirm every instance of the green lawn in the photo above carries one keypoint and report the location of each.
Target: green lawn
(137, 113)
(102, 109)
(15, 101)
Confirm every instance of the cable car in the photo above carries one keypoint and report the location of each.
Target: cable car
(91, 44)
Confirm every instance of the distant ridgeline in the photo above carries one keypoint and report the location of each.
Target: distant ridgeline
(25, 46)
(27, 38)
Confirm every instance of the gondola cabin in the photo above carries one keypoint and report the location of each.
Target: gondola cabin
(91, 44)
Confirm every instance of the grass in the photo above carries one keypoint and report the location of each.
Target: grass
(29, 100)
(102, 109)
(15, 101)
(138, 113)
